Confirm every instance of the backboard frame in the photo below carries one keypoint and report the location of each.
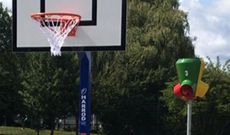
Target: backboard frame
(91, 22)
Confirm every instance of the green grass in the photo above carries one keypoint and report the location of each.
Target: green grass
(27, 131)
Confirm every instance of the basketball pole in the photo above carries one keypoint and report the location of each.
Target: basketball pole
(84, 93)
(189, 117)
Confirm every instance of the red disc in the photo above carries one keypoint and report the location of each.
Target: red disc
(186, 90)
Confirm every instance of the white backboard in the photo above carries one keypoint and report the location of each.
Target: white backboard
(102, 27)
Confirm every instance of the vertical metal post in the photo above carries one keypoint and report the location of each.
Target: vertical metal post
(84, 95)
(189, 118)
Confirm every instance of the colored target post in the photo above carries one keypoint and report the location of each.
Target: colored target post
(190, 86)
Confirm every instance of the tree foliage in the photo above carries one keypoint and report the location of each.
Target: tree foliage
(10, 100)
(126, 85)
(51, 86)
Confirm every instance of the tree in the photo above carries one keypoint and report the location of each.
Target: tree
(10, 99)
(50, 86)
(214, 108)
(210, 114)
(126, 85)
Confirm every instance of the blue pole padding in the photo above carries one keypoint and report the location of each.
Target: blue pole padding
(84, 95)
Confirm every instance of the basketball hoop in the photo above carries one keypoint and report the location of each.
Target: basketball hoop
(57, 26)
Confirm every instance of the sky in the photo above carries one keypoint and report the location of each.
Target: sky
(209, 22)
(7, 3)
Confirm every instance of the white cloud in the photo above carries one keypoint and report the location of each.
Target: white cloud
(210, 23)
(222, 6)
(212, 18)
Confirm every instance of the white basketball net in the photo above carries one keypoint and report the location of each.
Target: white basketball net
(56, 30)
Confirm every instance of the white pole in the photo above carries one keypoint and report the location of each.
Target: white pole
(189, 118)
